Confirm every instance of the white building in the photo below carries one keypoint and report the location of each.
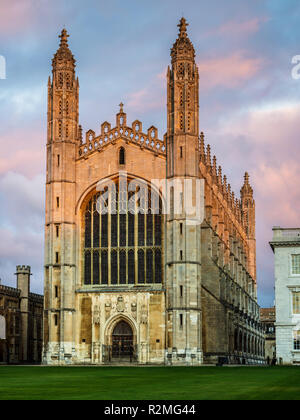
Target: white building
(286, 247)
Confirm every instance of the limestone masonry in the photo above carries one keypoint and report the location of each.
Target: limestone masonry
(147, 286)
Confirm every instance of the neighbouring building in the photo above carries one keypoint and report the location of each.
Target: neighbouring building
(267, 319)
(286, 247)
(21, 321)
(147, 285)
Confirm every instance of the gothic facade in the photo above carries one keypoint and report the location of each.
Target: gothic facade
(148, 285)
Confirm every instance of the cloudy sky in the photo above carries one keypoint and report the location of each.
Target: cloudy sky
(249, 102)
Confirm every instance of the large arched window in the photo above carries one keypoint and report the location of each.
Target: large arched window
(123, 246)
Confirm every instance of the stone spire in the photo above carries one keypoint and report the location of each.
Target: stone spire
(63, 55)
(214, 170)
(183, 48)
(246, 189)
(202, 147)
(248, 219)
(208, 158)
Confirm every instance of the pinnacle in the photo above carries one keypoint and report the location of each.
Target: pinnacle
(183, 48)
(64, 38)
(182, 28)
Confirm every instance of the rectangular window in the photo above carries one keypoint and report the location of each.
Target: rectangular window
(181, 228)
(57, 202)
(57, 231)
(58, 160)
(181, 154)
(181, 320)
(296, 303)
(56, 257)
(181, 291)
(55, 320)
(296, 264)
(296, 340)
(56, 291)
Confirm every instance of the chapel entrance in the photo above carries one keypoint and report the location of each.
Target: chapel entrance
(122, 342)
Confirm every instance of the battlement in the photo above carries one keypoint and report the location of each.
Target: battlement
(23, 269)
(36, 297)
(11, 291)
(132, 134)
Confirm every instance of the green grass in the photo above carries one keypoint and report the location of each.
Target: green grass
(157, 383)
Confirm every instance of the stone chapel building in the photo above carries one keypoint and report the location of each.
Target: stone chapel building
(144, 286)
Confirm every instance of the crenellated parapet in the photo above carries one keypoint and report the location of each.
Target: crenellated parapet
(226, 213)
(215, 177)
(134, 134)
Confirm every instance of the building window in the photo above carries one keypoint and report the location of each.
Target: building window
(296, 264)
(124, 246)
(122, 156)
(57, 231)
(55, 320)
(296, 303)
(296, 340)
(57, 202)
(60, 128)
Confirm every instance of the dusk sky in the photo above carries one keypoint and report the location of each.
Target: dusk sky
(249, 101)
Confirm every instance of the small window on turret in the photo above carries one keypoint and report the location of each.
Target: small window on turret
(181, 152)
(58, 160)
(60, 128)
(60, 80)
(122, 156)
(68, 83)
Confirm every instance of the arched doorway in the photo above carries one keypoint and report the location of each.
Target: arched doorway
(122, 342)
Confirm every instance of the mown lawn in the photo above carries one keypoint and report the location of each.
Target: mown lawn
(157, 383)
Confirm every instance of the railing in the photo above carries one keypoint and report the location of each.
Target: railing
(149, 140)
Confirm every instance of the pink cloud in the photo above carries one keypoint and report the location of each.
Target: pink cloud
(16, 15)
(149, 98)
(240, 28)
(265, 142)
(23, 151)
(230, 71)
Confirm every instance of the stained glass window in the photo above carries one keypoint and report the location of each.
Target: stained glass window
(120, 245)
